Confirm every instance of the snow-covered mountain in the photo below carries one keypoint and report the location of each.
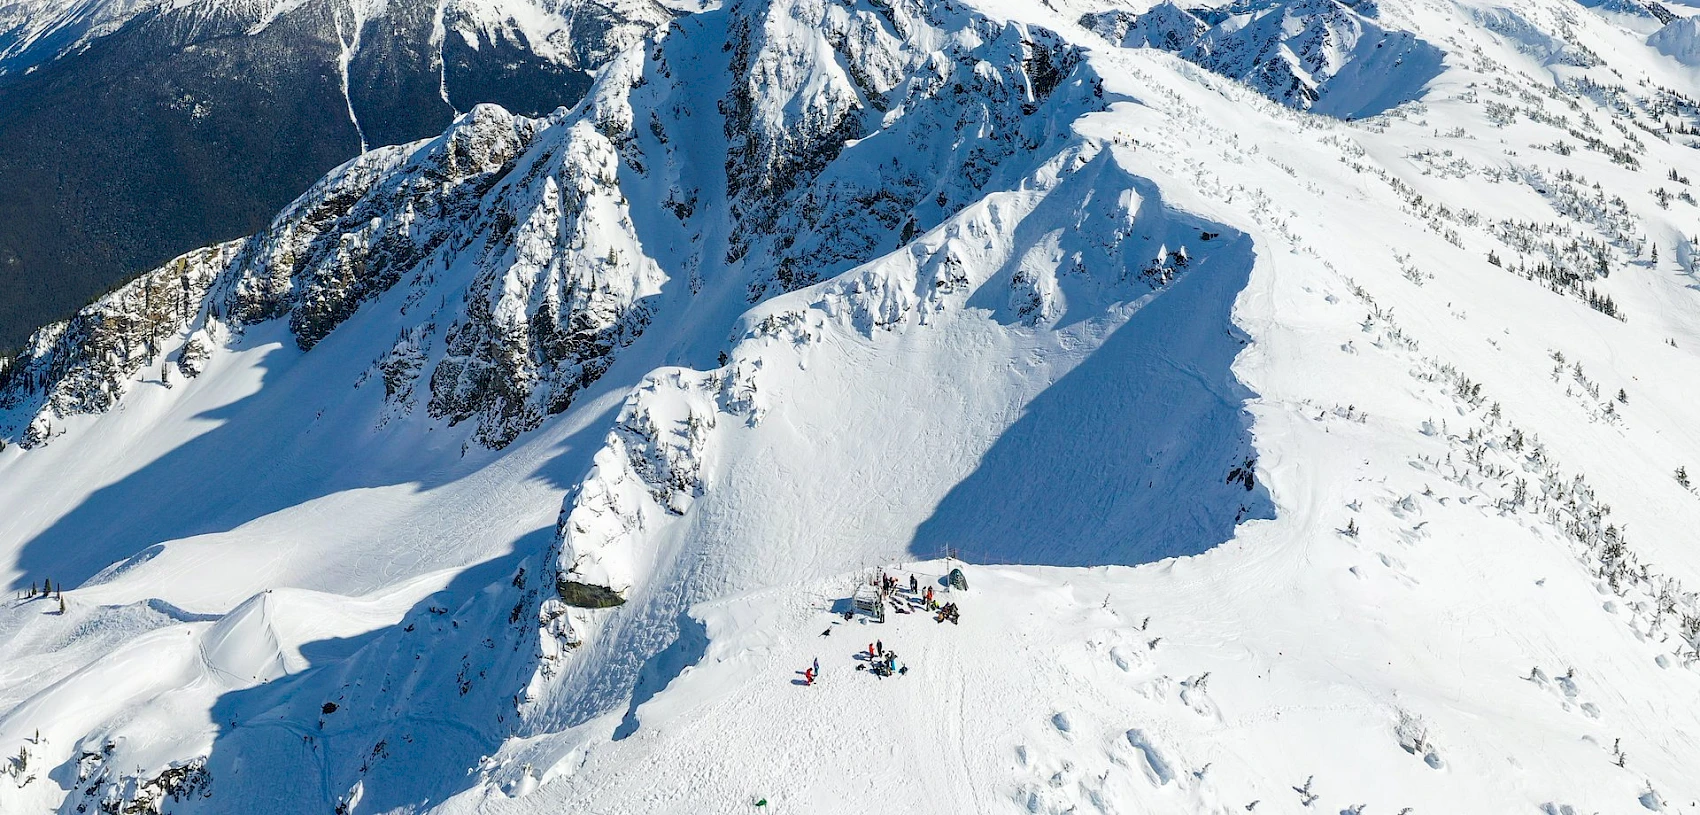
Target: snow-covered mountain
(1328, 57)
(1312, 422)
(136, 131)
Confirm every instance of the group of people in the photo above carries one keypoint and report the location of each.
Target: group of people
(883, 663)
(879, 661)
(916, 593)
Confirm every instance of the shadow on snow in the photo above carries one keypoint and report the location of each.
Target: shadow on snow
(1127, 458)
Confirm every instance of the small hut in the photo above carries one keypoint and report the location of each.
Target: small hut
(867, 600)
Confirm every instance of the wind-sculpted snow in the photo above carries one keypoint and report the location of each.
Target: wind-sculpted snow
(1323, 56)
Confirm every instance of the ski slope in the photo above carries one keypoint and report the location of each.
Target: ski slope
(1284, 454)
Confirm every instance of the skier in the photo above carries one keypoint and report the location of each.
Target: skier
(914, 585)
(808, 676)
(817, 666)
(871, 652)
(879, 645)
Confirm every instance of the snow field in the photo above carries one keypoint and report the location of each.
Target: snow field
(1406, 629)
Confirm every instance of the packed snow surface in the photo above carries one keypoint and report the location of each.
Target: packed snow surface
(1294, 463)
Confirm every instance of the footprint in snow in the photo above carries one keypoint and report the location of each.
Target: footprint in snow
(1156, 689)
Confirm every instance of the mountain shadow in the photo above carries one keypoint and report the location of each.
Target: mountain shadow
(1141, 452)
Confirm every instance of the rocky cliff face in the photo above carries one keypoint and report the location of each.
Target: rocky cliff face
(537, 214)
(522, 255)
(351, 237)
(849, 133)
(816, 78)
(139, 130)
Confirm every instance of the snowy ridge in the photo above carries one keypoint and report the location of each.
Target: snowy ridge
(1328, 57)
(1298, 464)
(660, 459)
(934, 99)
(351, 237)
(541, 321)
(552, 296)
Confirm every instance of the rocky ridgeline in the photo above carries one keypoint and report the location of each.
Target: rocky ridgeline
(1324, 56)
(827, 167)
(931, 101)
(351, 237)
(562, 279)
(82, 365)
(934, 99)
(658, 460)
(171, 125)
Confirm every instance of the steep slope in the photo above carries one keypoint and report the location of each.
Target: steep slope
(1297, 463)
(138, 131)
